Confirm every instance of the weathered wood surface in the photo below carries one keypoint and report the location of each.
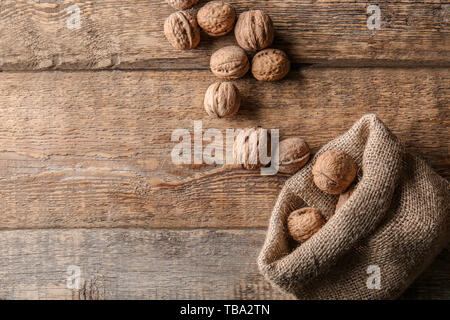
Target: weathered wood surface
(434, 283)
(92, 149)
(152, 264)
(133, 264)
(128, 34)
(85, 150)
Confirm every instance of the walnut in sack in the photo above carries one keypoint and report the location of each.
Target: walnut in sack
(334, 171)
(303, 223)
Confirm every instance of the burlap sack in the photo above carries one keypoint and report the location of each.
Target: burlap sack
(396, 220)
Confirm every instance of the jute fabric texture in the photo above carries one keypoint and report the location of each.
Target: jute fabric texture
(391, 228)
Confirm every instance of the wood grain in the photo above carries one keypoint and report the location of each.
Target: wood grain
(84, 150)
(133, 264)
(119, 34)
(85, 156)
(434, 283)
(153, 264)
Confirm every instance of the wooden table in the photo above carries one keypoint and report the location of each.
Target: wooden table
(86, 179)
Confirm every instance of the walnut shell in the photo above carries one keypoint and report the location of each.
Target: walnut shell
(254, 30)
(229, 63)
(182, 31)
(303, 223)
(334, 171)
(216, 18)
(344, 197)
(294, 153)
(270, 65)
(222, 99)
(182, 4)
(247, 148)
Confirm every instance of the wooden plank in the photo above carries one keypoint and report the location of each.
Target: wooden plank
(153, 264)
(434, 283)
(84, 150)
(133, 264)
(118, 34)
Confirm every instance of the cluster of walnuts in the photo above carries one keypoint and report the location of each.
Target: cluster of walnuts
(254, 31)
(333, 172)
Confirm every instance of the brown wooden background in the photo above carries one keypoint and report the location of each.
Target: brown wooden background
(87, 116)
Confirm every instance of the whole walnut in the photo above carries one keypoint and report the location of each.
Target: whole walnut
(334, 171)
(270, 65)
(216, 18)
(303, 223)
(229, 63)
(344, 197)
(254, 30)
(248, 148)
(293, 154)
(222, 99)
(182, 31)
(182, 4)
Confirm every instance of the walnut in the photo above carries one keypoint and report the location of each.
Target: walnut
(270, 65)
(229, 63)
(334, 171)
(247, 148)
(294, 153)
(222, 99)
(182, 31)
(344, 197)
(303, 223)
(182, 4)
(254, 30)
(216, 18)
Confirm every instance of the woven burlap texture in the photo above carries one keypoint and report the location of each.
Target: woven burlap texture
(397, 220)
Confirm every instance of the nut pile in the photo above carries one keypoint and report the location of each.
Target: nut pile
(254, 31)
